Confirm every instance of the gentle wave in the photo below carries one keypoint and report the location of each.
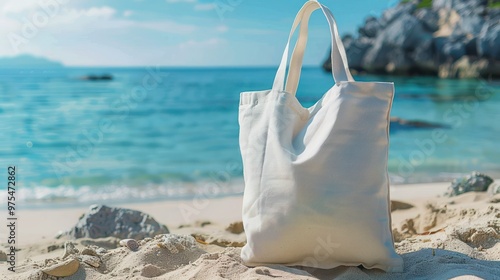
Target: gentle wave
(65, 195)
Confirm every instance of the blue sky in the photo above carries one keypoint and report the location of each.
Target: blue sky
(169, 32)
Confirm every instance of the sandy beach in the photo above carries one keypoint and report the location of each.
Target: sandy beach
(439, 238)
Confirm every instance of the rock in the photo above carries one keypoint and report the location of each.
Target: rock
(235, 228)
(471, 46)
(455, 50)
(399, 63)
(449, 49)
(470, 25)
(91, 260)
(388, 54)
(104, 77)
(442, 4)
(467, 7)
(396, 12)
(63, 269)
(476, 182)
(402, 124)
(488, 44)
(377, 57)
(69, 249)
(405, 32)
(357, 50)
(424, 57)
(467, 67)
(463, 7)
(448, 19)
(371, 28)
(104, 221)
(413, 39)
(493, 15)
(429, 19)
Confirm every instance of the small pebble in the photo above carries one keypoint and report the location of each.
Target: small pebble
(130, 243)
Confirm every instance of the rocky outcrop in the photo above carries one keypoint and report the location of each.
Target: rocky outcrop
(445, 38)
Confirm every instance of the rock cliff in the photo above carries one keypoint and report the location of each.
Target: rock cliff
(446, 38)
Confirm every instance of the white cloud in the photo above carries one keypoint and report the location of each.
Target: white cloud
(204, 7)
(127, 13)
(16, 6)
(104, 12)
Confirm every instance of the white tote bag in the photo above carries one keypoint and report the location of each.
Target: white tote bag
(316, 183)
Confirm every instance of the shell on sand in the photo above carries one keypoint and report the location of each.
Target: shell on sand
(130, 243)
(63, 269)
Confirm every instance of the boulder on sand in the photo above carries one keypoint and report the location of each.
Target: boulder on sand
(103, 221)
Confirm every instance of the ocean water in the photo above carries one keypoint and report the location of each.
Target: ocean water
(173, 133)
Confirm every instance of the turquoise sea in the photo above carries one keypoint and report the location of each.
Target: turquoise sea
(173, 133)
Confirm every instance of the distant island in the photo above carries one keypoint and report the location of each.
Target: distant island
(444, 38)
(26, 61)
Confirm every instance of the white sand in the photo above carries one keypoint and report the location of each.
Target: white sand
(439, 238)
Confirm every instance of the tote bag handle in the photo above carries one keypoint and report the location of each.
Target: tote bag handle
(340, 68)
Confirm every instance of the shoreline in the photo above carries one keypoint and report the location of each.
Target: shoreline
(238, 185)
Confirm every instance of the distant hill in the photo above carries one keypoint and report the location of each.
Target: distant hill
(28, 62)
